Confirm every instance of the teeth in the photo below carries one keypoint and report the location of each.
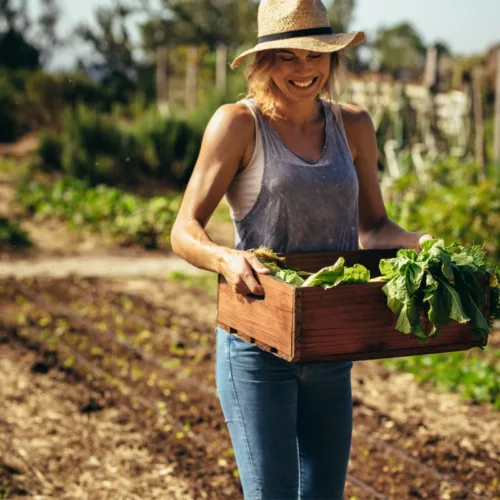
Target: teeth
(303, 84)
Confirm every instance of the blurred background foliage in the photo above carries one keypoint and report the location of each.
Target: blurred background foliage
(112, 121)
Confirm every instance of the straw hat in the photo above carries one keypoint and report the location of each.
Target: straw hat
(297, 24)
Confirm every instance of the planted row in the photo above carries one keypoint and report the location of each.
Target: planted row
(129, 219)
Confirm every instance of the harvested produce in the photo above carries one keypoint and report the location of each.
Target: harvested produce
(337, 274)
(440, 281)
(326, 278)
(443, 282)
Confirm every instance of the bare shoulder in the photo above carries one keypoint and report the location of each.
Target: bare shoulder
(235, 119)
(355, 117)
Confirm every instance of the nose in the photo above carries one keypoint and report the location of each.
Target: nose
(302, 65)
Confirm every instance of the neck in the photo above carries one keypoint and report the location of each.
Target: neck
(302, 113)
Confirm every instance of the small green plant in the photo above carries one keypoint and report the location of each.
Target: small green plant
(129, 219)
(474, 377)
(206, 281)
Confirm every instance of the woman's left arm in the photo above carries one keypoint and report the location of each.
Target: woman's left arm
(376, 230)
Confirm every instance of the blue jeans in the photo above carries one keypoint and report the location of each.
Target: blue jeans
(290, 423)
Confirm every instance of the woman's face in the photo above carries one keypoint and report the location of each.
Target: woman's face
(299, 74)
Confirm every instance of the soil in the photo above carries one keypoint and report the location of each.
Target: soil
(61, 438)
(21, 148)
(108, 393)
(157, 409)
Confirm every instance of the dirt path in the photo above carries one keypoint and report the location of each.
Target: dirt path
(98, 265)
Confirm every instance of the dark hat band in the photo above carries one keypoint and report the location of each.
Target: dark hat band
(327, 30)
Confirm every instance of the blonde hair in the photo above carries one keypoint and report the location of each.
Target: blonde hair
(263, 90)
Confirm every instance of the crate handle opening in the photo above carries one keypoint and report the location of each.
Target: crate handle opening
(251, 297)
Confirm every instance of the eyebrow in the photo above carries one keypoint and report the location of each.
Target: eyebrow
(285, 51)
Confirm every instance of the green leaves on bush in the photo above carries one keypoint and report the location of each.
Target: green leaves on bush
(169, 146)
(452, 205)
(33, 99)
(11, 234)
(127, 218)
(96, 150)
(99, 148)
(476, 378)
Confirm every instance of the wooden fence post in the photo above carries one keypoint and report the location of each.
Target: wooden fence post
(191, 74)
(431, 68)
(221, 67)
(497, 113)
(162, 80)
(478, 121)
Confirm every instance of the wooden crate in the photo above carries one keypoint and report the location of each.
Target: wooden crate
(344, 323)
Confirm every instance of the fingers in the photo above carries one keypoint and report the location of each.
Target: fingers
(242, 271)
(256, 264)
(246, 283)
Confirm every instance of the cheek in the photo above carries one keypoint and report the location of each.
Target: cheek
(279, 76)
(324, 67)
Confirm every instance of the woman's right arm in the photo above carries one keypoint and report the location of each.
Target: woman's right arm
(223, 151)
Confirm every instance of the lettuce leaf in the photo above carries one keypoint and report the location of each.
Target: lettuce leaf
(441, 281)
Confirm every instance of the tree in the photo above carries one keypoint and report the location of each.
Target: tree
(24, 42)
(400, 51)
(341, 14)
(184, 22)
(113, 61)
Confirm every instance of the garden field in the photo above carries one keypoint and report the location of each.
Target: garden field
(128, 365)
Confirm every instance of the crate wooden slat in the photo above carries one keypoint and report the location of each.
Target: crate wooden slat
(349, 322)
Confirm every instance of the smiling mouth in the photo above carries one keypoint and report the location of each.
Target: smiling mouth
(304, 84)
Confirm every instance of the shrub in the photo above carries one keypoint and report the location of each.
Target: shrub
(96, 150)
(44, 94)
(11, 234)
(77, 88)
(15, 115)
(452, 205)
(49, 151)
(169, 146)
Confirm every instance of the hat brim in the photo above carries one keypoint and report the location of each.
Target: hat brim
(320, 43)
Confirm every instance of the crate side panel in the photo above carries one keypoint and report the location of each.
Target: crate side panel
(268, 320)
(358, 320)
(359, 356)
(372, 340)
(346, 306)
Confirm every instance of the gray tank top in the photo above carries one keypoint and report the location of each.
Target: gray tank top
(303, 206)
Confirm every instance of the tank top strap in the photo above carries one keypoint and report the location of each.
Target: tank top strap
(256, 113)
(335, 112)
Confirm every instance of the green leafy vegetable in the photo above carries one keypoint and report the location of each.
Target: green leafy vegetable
(276, 264)
(441, 282)
(289, 276)
(327, 277)
(331, 276)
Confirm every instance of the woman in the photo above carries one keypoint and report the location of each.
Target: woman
(295, 181)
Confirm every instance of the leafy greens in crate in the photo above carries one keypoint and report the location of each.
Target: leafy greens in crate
(440, 280)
